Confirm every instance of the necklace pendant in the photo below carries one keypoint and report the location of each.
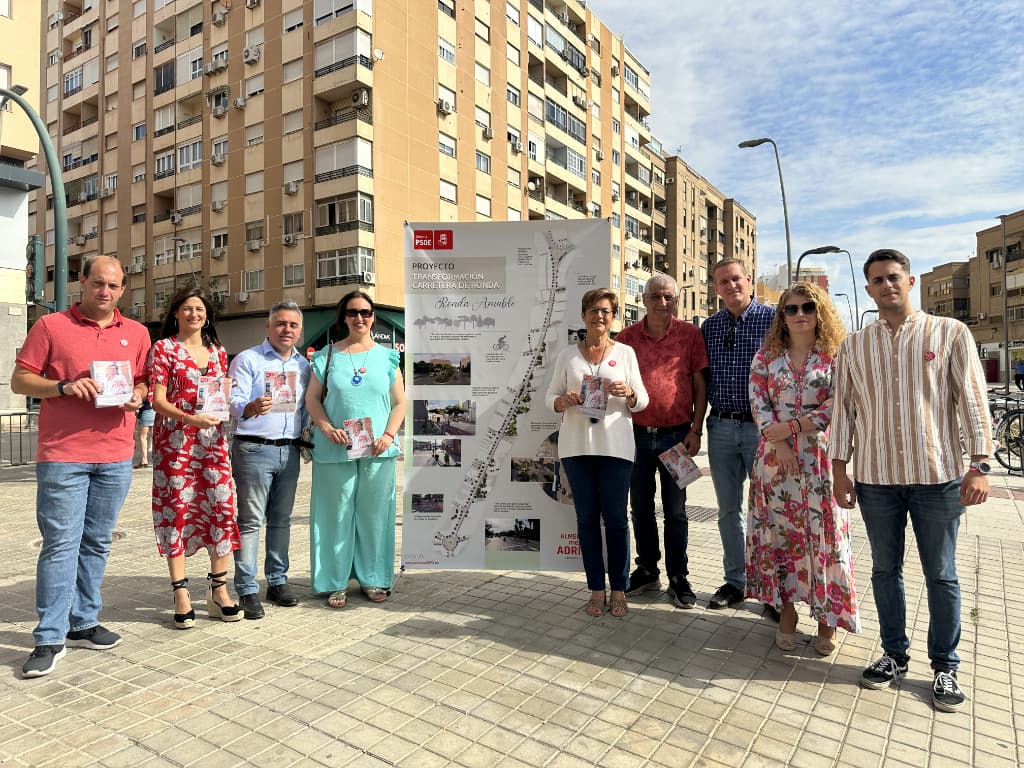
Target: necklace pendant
(357, 380)
(362, 370)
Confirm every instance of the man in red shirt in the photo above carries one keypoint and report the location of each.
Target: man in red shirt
(672, 359)
(83, 459)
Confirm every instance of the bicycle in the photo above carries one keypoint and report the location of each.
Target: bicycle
(1009, 439)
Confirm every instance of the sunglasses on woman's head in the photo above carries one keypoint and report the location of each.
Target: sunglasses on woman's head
(808, 308)
(363, 313)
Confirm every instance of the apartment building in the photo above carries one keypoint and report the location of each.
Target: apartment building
(946, 291)
(19, 144)
(274, 150)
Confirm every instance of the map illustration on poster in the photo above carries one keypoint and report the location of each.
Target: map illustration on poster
(489, 306)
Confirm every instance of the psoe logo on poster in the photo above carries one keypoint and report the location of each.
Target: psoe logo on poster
(432, 239)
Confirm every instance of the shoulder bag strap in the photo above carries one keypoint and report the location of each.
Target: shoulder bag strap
(327, 372)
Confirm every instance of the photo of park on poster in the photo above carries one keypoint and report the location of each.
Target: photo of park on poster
(489, 305)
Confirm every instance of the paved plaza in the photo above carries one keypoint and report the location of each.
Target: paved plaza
(500, 669)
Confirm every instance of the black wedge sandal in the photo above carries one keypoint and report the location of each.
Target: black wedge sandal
(214, 609)
(183, 620)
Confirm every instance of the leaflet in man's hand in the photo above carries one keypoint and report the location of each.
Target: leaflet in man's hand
(679, 464)
(279, 386)
(360, 437)
(594, 404)
(214, 397)
(114, 378)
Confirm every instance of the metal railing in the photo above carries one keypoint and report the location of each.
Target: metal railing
(18, 434)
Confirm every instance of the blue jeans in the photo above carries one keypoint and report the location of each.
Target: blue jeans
(935, 512)
(732, 446)
(600, 487)
(76, 510)
(673, 502)
(265, 480)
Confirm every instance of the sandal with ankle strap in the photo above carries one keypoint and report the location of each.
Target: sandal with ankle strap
(214, 609)
(183, 620)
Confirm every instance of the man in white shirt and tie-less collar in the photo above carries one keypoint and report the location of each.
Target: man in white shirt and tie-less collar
(907, 388)
(265, 458)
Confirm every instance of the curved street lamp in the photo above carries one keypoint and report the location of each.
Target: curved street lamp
(853, 273)
(853, 323)
(785, 211)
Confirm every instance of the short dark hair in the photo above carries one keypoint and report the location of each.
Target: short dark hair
(886, 254)
(170, 324)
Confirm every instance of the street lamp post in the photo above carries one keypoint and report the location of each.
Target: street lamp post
(782, 187)
(853, 273)
(853, 323)
(1006, 307)
(60, 205)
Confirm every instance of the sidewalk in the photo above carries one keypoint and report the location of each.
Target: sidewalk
(487, 669)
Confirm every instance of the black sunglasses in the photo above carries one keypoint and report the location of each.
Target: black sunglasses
(808, 308)
(363, 313)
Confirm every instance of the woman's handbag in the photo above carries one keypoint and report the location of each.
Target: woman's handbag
(306, 436)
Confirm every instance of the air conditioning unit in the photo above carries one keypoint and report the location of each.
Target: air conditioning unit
(134, 311)
(251, 54)
(579, 101)
(665, 241)
(251, 3)
(216, 65)
(565, 54)
(369, 278)
(176, 218)
(218, 253)
(83, 197)
(107, 192)
(982, 315)
(217, 158)
(615, 197)
(517, 147)
(80, 240)
(615, 70)
(444, 107)
(219, 17)
(629, 235)
(253, 245)
(218, 205)
(643, 233)
(600, 155)
(220, 110)
(585, 71)
(242, 297)
(670, 180)
(361, 98)
(291, 187)
(564, 17)
(239, 103)
(290, 239)
(488, 132)
(133, 269)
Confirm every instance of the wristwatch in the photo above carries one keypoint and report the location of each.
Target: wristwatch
(981, 467)
(61, 385)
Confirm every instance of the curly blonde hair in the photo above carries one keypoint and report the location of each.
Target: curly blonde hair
(829, 331)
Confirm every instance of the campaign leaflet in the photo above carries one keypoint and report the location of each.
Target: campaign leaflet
(679, 464)
(114, 378)
(360, 437)
(279, 386)
(214, 397)
(594, 404)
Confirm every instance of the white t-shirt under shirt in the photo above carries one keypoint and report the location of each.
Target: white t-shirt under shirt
(612, 435)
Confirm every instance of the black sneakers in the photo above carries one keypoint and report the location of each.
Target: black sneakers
(97, 638)
(43, 660)
(725, 597)
(946, 693)
(883, 673)
(642, 580)
(680, 592)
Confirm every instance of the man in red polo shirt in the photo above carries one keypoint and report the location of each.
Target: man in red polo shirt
(83, 459)
(672, 359)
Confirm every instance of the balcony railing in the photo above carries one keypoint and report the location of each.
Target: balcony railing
(351, 170)
(326, 282)
(163, 46)
(363, 61)
(344, 226)
(189, 121)
(163, 174)
(345, 115)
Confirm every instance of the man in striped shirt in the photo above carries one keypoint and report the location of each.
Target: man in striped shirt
(910, 399)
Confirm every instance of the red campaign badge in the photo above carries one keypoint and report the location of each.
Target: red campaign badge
(443, 239)
(929, 356)
(611, 363)
(423, 239)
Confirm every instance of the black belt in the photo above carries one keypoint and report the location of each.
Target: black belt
(734, 415)
(662, 430)
(267, 441)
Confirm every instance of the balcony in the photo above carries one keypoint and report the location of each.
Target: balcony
(365, 114)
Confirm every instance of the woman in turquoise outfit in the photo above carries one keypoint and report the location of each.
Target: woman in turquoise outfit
(352, 504)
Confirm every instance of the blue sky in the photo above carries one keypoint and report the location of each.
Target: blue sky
(899, 124)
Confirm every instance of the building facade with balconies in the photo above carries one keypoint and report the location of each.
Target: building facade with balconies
(274, 150)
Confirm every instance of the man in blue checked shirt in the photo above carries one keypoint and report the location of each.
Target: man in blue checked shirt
(264, 454)
(732, 335)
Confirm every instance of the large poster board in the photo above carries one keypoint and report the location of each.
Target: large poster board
(488, 308)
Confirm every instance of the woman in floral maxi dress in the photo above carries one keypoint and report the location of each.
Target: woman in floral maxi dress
(798, 545)
(193, 493)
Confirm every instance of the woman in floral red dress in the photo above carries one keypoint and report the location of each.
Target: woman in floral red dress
(798, 538)
(193, 493)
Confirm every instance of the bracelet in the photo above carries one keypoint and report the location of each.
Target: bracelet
(792, 427)
(389, 435)
(800, 426)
